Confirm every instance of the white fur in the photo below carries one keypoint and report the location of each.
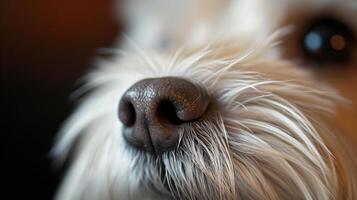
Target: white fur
(267, 136)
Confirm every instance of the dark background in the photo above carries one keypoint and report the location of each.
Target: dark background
(46, 45)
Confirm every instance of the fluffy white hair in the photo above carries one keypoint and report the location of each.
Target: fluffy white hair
(267, 134)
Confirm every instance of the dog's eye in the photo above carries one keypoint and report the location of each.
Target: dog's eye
(327, 41)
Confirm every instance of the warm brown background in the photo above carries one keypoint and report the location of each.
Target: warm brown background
(45, 46)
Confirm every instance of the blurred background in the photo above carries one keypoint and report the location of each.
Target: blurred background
(46, 45)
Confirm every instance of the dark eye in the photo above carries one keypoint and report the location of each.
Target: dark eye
(327, 41)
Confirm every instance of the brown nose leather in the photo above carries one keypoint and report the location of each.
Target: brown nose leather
(153, 110)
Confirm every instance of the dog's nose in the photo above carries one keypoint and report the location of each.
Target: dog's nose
(154, 111)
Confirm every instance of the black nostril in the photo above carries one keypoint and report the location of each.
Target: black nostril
(167, 113)
(127, 113)
(153, 110)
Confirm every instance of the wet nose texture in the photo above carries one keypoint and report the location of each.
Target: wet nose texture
(154, 110)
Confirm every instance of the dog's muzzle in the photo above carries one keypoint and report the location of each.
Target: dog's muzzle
(154, 110)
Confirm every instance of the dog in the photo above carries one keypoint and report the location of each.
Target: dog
(219, 99)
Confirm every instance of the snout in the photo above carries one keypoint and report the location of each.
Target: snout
(153, 111)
